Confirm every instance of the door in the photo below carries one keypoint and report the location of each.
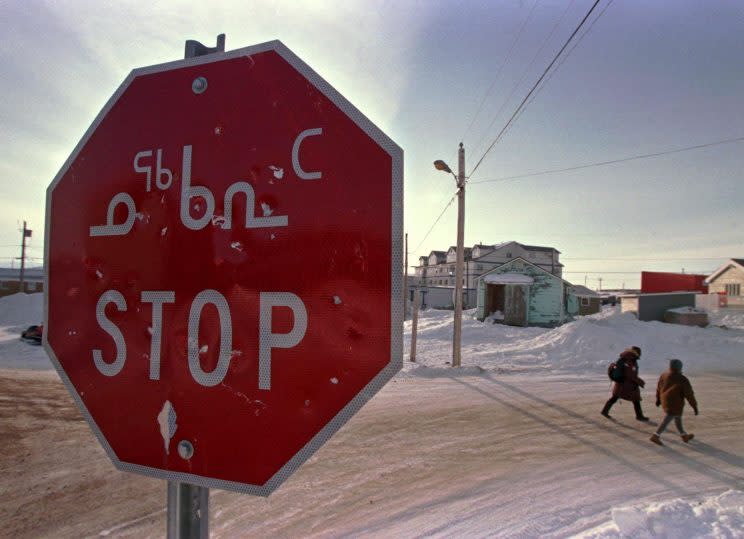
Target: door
(515, 305)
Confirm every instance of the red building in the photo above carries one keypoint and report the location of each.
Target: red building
(657, 281)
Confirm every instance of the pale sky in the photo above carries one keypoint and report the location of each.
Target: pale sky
(649, 77)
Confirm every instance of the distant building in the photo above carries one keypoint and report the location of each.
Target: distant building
(728, 280)
(10, 280)
(648, 307)
(654, 282)
(437, 271)
(583, 301)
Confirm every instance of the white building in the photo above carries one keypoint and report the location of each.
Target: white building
(435, 273)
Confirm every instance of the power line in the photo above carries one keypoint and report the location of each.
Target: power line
(565, 57)
(525, 72)
(612, 161)
(637, 259)
(435, 222)
(501, 67)
(600, 272)
(534, 87)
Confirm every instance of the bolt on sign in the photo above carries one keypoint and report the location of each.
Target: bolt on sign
(223, 254)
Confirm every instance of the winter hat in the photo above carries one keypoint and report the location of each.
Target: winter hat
(675, 364)
(637, 350)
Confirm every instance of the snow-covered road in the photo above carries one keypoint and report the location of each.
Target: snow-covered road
(507, 456)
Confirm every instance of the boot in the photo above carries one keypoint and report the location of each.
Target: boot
(656, 439)
(639, 412)
(687, 437)
(606, 410)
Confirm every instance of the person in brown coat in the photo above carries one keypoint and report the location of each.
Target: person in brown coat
(630, 388)
(671, 391)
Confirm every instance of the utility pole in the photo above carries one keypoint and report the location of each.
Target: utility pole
(600, 284)
(405, 280)
(25, 233)
(457, 337)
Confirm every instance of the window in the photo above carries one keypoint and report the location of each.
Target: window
(585, 302)
(479, 267)
(508, 255)
(733, 289)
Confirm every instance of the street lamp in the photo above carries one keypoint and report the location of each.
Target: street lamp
(459, 267)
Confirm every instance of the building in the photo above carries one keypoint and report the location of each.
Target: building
(728, 280)
(438, 269)
(648, 307)
(654, 282)
(583, 301)
(523, 294)
(33, 281)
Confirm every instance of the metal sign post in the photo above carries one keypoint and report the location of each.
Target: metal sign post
(188, 511)
(188, 505)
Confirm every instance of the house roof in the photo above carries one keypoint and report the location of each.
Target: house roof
(512, 262)
(467, 251)
(539, 248)
(735, 262)
(501, 245)
(508, 278)
(582, 291)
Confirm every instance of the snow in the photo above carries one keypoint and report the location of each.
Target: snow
(542, 360)
(714, 516)
(508, 278)
(17, 312)
(685, 310)
(584, 346)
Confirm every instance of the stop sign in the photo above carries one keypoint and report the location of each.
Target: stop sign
(223, 256)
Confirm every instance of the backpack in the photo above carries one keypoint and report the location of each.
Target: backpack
(616, 371)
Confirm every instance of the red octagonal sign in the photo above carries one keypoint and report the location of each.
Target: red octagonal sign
(223, 255)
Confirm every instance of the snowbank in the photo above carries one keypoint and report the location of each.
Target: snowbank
(584, 346)
(716, 516)
(21, 310)
(17, 312)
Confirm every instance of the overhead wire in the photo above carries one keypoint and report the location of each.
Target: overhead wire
(525, 72)
(451, 200)
(610, 162)
(562, 61)
(545, 72)
(500, 69)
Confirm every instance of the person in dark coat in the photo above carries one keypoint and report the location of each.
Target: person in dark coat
(672, 390)
(630, 388)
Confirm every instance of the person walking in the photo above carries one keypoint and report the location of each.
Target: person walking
(672, 390)
(629, 388)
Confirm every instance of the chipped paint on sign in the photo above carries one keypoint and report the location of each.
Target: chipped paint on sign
(278, 171)
(167, 422)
